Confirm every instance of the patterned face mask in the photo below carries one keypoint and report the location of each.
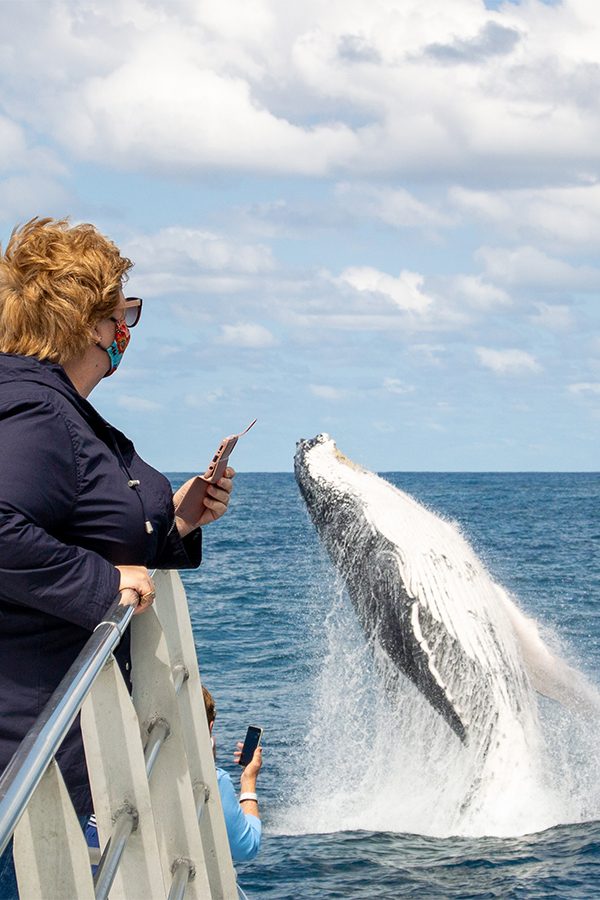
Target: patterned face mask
(118, 347)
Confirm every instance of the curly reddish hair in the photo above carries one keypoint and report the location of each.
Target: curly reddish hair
(57, 282)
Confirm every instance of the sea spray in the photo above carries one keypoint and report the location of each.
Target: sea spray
(379, 757)
(380, 761)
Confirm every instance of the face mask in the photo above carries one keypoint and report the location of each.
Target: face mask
(118, 347)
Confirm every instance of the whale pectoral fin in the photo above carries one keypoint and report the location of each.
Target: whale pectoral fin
(549, 675)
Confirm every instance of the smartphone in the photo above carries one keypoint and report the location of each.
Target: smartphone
(251, 742)
(191, 507)
(218, 463)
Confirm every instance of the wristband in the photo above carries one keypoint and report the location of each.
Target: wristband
(248, 795)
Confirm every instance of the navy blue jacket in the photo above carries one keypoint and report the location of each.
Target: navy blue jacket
(67, 518)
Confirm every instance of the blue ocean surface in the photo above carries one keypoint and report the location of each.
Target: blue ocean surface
(261, 606)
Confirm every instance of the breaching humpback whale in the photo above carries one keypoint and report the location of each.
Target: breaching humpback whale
(425, 600)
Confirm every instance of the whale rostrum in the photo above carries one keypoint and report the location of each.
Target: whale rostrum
(426, 602)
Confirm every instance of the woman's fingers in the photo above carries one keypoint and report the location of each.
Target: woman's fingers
(135, 577)
(221, 490)
(129, 597)
(217, 499)
(217, 495)
(137, 587)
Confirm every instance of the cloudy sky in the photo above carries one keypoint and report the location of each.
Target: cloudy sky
(375, 218)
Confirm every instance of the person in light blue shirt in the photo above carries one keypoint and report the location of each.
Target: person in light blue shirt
(242, 818)
(243, 829)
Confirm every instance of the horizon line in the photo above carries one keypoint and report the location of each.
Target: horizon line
(416, 471)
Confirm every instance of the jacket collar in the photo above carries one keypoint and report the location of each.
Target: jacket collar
(15, 368)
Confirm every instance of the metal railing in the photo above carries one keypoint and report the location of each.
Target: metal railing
(150, 768)
(36, 751)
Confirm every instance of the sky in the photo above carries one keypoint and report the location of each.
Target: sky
(373, 218)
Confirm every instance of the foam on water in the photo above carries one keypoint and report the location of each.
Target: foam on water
(384, 760)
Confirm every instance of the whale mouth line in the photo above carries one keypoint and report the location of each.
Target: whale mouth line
(305, 445)
(346, 461)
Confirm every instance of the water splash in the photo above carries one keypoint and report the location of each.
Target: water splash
(379, 761)
(380, 758)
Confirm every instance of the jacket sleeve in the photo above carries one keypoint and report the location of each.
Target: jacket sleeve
(38, 490)
(181, 553)
(177, 552)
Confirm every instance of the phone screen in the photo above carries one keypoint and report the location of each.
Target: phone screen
(251, 742)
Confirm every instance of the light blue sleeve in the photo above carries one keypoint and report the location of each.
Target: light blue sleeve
(243, 830)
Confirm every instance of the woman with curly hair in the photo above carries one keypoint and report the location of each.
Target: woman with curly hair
(82, 516)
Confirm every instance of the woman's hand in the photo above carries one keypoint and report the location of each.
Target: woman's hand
(137, 587)
(217, 497)
(214, 503)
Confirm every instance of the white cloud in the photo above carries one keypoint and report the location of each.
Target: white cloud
(247, 334)
(178, 260)
(326, 392)
(12, 144)
(280, 218)
(169, 283)
(507, 362)
(189, 250)
(137, 404)
(30, 176)
(585, 387)
(405, 291)
(198, 401)
(555, 317)
(430, 354)
(473, 291)
(354, 87)
(396, 207)
(566, 216)
(395, 386)
(22, 196)
(18, 153)
(529, 266)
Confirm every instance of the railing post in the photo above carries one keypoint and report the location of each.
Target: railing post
(170, 783)
(26, 768)
(172, 611)
(115, 760)
(51, 855)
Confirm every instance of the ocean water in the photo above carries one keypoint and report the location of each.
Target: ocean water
(279, 646)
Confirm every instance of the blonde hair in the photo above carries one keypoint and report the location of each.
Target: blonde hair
(56, 283)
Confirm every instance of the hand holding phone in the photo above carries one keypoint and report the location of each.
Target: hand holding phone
(251, 742)
(190, 503)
